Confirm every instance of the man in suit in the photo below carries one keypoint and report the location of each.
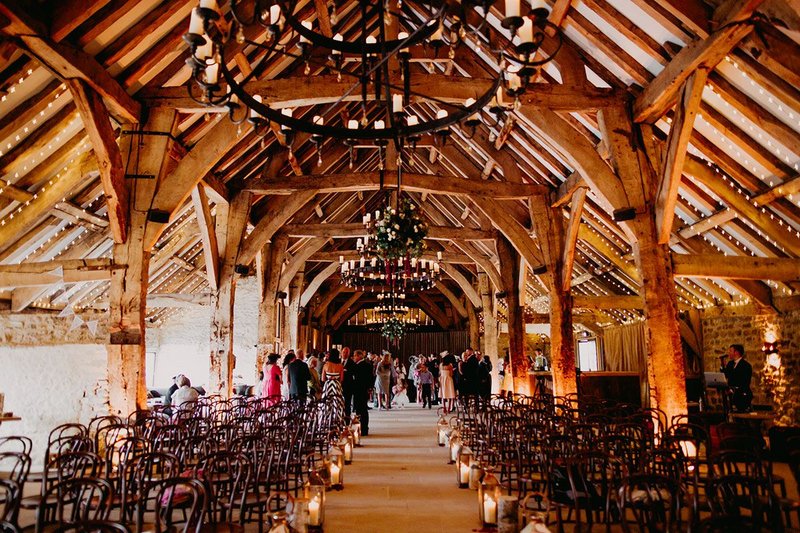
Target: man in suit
(739, 373)
(349, 364)
(363, 380)
(299, 375)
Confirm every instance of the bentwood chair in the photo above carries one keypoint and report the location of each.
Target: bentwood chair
(178, 506)
(92, 526)
(75, 500)
(650, 503)
(10, 495)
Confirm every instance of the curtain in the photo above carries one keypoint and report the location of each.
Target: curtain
(412, 343)
(624, 349)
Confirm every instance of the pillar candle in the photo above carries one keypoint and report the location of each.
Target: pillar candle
(512, 8)
(196, 23)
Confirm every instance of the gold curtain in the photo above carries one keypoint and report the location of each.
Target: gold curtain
(624, 348)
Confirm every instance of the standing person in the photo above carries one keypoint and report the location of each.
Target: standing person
(485, 377)
(287, 359)
(384, 374)
(299, 375)
(314, 384)
(332, 375)
(425, 380)
(348, 377)
(433, 368)
(739, 373)
(362, 382)
(469, 370)
(447, 388)
(273, 379)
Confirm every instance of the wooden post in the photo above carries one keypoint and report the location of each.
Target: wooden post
(666, 363)
(293, 311)
(269, 274)
(129, 275)
(509, 273)
(474, 326)
(549, 224)
(223, 360)
(489, 326)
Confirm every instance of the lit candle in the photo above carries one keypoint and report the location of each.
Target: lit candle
(379, 124)
(402, 36)
(512, 8)
(397, 103)
(275, 14)
(352, 124)
(318, 120)
(413, 262)
(371, 39)
(489, 510)
(205, 51)
(212, 73)
(377, 215)
(307, 25)
(341, 259)
(362, 262)
(253, 112)
(514, 82)
(525, 33)
(335, 473)
(540, 6)
(439, 256)
(412, 120)
(348, 452)
(463, 471)
(196, 23)
(374, 262)
(313, 511)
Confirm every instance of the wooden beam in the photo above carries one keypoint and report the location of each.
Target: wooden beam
(736, 267)
(312, 288)
(341, 313)
(97, 123)
(66, 62)
(672, 168)
(568, 187)
(52, 272)
(281, 209)
(509, 271)
(63, 186)
(353, 182)
(662, 92)
(297, 261)
(511, 229)
(208, 235)
(571, 237)
(581, 301)
(462, 282)
(320, 90)
(348, 230)
(269, 263)
(156, 300)
(199, 162)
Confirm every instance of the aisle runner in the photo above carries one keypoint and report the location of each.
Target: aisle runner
(400, 481)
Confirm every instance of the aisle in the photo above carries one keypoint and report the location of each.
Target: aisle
(400, 481)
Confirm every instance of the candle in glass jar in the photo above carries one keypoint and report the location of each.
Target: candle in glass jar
(313, 511)
(489, 510)
(335, 474)
(463, 473)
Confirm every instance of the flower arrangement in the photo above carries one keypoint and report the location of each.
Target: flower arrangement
(393, 328)
(400, 233)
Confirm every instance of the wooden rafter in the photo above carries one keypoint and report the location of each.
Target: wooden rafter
(208, 235)
(736, 267)
(571, 237)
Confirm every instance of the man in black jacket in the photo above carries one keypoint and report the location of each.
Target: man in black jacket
(298, 379)
(739, 373)
(363, 379)
(349, 363)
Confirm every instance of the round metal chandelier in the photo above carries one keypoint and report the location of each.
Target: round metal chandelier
(382, 39)
(372, 273)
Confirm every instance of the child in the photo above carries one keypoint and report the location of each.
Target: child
(425, 381)
(400, 397)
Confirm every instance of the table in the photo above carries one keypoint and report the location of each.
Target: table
(756, 419)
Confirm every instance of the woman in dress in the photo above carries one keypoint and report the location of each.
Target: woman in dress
(332, 375)
(447, 389)
(273, 379)
(383, 374)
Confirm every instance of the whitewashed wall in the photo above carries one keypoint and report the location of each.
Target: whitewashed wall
(49, 383)
(181, 344)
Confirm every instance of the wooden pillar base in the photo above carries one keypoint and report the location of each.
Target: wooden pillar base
(126, 383)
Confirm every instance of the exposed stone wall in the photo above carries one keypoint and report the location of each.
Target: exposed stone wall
(776, 380)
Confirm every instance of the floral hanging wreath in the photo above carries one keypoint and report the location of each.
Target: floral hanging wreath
(393, 329)
(401, 232)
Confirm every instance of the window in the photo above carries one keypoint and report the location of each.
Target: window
(587, 355)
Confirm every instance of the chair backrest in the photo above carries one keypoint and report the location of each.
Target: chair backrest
(74, 465)
(75, 500)
(738, 462)
(179, 505)
(142, 470)
(650, 501)
(15, 466)
(10, 495)
(96, 426)
(744, 496)
(228, 476)
(92, 526)
(16, 443)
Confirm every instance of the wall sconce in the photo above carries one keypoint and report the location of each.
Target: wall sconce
(771, 353)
